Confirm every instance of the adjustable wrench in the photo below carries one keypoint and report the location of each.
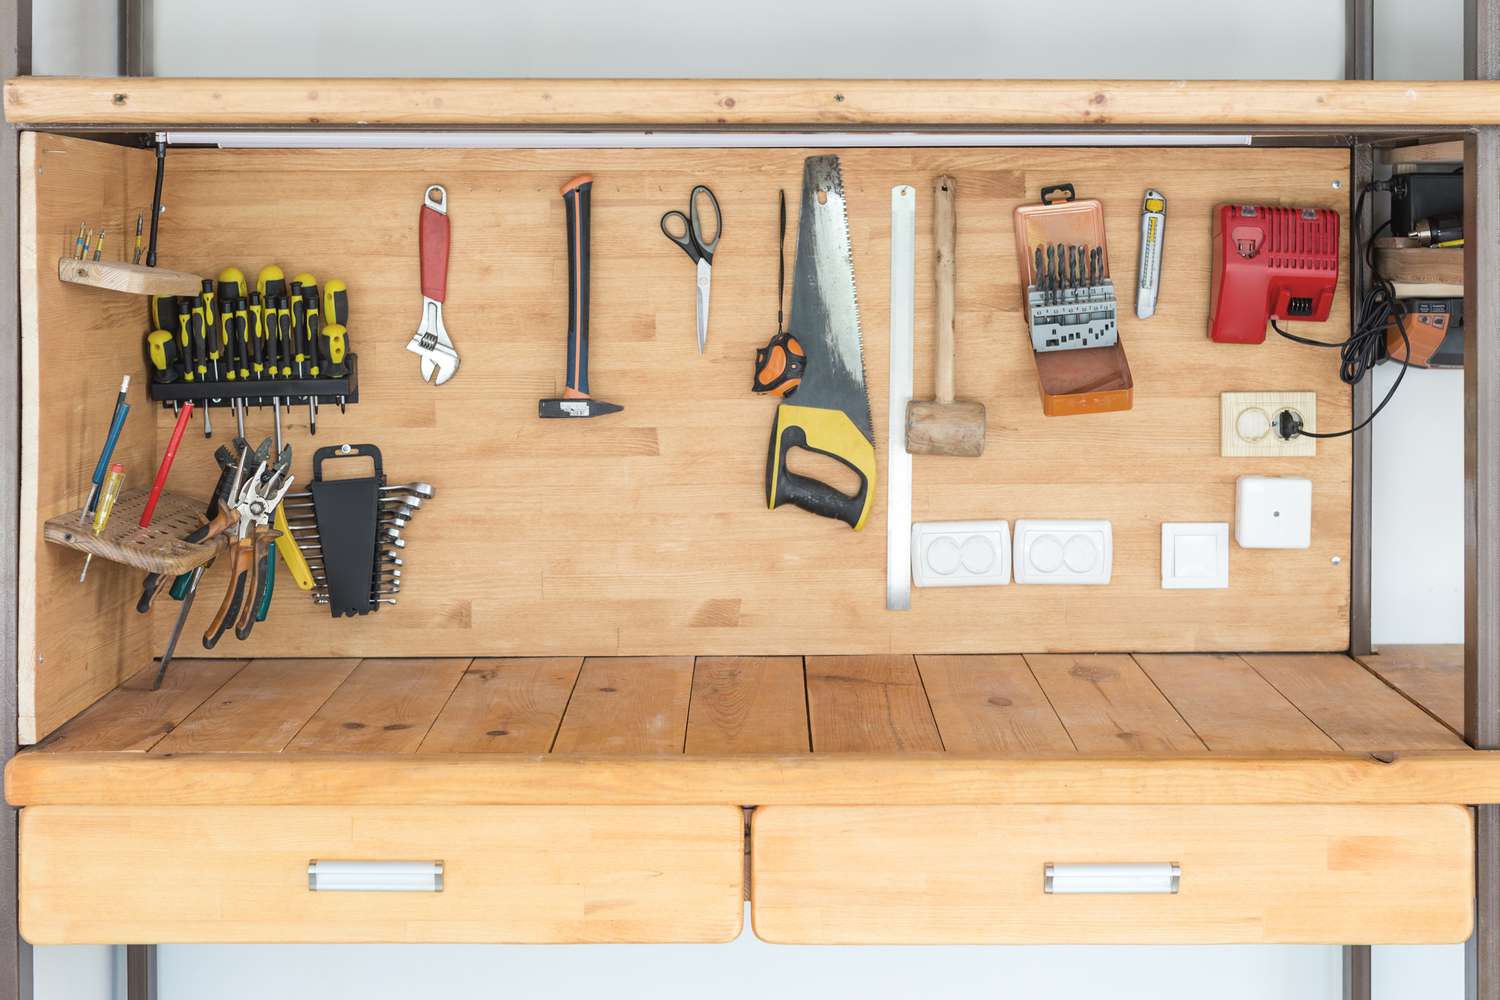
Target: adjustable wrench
(431, 343)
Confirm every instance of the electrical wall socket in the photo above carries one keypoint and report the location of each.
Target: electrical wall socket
(1247, 424)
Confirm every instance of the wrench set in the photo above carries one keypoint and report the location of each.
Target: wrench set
(350, 532)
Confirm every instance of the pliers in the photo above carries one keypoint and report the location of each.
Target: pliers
(254, 506)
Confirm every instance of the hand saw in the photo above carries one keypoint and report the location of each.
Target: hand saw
(832, 413)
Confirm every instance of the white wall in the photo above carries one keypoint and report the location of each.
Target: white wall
(1418, 442)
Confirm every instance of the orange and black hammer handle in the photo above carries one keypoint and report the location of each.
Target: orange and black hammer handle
(241, 564)
(575, 196)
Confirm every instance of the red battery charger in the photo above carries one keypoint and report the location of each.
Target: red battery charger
(1270, 263)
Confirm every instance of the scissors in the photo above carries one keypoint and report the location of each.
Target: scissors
(687, 232)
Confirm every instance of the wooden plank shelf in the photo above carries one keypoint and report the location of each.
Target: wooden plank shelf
(157, 549)
(133, 279)
(1192, 728)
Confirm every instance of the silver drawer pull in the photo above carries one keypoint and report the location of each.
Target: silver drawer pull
(1060, 879)
(375, 876)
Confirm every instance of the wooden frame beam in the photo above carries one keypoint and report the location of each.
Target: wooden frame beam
(181, 103)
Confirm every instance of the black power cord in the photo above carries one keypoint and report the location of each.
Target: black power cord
(1359, 353)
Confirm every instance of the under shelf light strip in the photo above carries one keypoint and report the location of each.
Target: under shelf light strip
(365, 139)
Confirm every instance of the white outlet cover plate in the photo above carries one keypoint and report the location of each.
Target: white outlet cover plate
(960, 553)
(1246, 418)
(1195, 556)
(1063, 552)
(1273, 512)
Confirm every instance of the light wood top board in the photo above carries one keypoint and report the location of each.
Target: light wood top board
(720, 103)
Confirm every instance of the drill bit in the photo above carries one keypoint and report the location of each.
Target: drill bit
(140, 225)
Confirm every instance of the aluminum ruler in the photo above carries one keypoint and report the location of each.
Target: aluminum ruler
(898, 459)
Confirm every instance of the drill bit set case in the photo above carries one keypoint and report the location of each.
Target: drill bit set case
(621, 698)
(1072, 311)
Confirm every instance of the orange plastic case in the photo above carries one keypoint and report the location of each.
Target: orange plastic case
(1095, 379)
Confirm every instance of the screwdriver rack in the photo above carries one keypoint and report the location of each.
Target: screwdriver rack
(159, 548)
(294, 391)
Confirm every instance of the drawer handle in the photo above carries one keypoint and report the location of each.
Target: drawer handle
(1104, 878)
(375, 876)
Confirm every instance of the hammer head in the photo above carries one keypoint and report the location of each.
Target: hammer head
(934, 428)
(577, 406)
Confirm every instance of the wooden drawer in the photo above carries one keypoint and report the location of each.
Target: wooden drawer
(1249, 874)
(511, 874)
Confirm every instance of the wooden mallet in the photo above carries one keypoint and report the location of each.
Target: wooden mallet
(944, 426)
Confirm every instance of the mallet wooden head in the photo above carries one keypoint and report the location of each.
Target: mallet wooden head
(944, 425)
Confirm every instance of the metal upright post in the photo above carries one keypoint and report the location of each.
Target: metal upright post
(15, 59)
(1482, 484)
(1359, 64)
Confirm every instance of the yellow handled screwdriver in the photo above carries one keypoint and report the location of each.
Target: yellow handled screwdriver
(107, 497)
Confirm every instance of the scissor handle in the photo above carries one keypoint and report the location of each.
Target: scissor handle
(706, 247)
(690, 234)
(683, 238)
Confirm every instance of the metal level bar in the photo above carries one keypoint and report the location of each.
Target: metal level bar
(15, 57)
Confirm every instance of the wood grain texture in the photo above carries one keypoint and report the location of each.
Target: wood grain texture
(748, 704)
(260, 709)
(511, 874)
(719, 103)
(1447, 151)
(1109, 705)
(1432, 676)
(1416, 777)
(133, 717)
(628, 705)
(77, 641)
(868, 704)
(656, 539)
(505, 706)
(1231, 707)
(385, 706)
(1351, 704)
(1422, 265)
(990, 704)
(133, 279)
(1250, 874)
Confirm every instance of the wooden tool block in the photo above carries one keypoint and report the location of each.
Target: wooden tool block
(157, 549)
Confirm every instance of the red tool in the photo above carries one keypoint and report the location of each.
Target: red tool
(1271, 263)
(166, 464)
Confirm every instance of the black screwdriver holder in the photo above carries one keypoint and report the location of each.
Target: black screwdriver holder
(327, 390)
(348, 514)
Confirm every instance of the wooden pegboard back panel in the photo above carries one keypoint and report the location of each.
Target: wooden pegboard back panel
(77, 640)
(646, 531)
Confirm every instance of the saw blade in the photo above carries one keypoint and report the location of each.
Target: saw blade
(825, 306)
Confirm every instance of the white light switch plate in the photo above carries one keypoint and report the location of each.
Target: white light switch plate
(960, 553)
(1063, 551)
(1195, 556)
(1273, 512)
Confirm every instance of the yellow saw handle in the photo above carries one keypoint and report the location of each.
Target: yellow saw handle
(827, 432)
(290, 554)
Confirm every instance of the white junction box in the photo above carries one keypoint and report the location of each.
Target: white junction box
(1273, 512)
(960, 553)
(1195, 556)
(1063, 551)
(1247, 424)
